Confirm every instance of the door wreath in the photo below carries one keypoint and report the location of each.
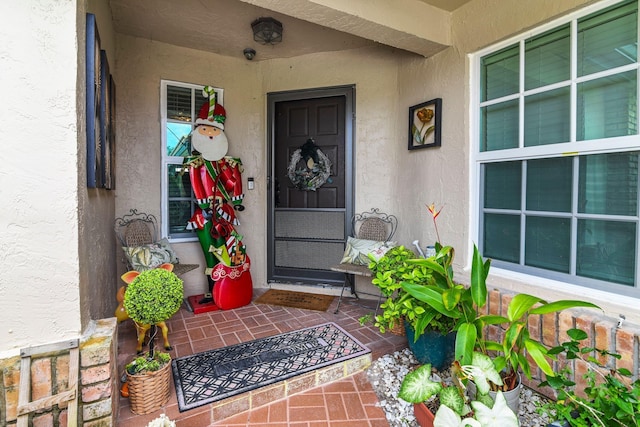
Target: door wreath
(309, 167)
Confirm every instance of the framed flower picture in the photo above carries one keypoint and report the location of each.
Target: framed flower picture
(425, 121)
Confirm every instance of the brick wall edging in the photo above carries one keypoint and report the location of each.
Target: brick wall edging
(98, 380)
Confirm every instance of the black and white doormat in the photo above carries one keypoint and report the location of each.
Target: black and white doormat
(221, 373)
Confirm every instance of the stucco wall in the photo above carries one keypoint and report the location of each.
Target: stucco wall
(374, 72)
(387, 175)
(139, 154)
(98, 281)
(443, 175)
(39, 299)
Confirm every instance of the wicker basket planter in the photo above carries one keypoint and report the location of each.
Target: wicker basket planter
(149, 391)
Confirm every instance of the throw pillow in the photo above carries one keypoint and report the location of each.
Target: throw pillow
(357, 250)
(147, 257)
(164, 243)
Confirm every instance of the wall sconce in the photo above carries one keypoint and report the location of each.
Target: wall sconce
(267, 31)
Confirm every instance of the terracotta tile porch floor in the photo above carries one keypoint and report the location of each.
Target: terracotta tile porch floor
(347, 401)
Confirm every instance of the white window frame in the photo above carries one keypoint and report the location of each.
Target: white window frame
(167, 160)
(477, 158)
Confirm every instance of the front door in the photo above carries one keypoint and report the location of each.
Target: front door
(310, 195)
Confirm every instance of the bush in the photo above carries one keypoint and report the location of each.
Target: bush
(154, 296)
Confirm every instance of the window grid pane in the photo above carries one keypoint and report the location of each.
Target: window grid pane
(178, 139)
(607, 251)
(502, 188)
(608, 184)
(547, 58)
(547, 117)
(549, 184)
(576, 215)
(607, 107)
(502, 237)
(608, 39)
(500, 73)
(181, 205)
(499, 126)
(548, 243)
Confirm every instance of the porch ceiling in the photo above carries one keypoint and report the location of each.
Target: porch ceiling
(224, 26)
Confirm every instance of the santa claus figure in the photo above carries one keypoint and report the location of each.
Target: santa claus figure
(217, 184)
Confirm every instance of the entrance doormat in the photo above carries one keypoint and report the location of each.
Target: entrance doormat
(296, 299)
(221, 373)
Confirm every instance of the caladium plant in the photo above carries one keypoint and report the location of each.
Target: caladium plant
(455, 407)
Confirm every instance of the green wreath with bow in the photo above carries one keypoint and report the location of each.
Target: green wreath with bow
(309, 167)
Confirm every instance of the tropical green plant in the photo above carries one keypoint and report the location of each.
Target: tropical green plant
(611, 396)
(389, 272)
(456, 409)
(453, 300)
(510, 356)
(462, 303)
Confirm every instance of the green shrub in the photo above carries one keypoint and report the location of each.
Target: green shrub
(154, 296)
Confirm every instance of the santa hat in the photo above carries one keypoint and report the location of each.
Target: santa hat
(215, 117)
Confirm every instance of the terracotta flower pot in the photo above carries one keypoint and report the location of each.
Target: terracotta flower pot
(423, 415)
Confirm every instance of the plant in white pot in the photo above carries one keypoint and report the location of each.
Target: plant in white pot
(150, 298)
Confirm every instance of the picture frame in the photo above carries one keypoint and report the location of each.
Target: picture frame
(425, 122)
(107, 125)
(93, 92)
(105, 129)
(111, 141)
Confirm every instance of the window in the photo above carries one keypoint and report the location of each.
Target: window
(180, 105)
(558, 150)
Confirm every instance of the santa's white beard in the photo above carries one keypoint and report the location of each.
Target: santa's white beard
(212, 148)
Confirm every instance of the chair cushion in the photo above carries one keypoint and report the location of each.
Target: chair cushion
(147, 257)
(357, 250)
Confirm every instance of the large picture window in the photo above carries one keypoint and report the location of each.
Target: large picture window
(558, 150)
(180, 105)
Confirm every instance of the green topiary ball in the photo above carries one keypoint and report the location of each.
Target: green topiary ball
(154, 296)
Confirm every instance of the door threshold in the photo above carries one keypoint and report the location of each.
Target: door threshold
(320, 288)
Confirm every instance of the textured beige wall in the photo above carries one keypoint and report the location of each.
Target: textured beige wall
(38, 181)
(142, 65)
(96, 207)
(443, 175)
(246, 84)
(387, 83)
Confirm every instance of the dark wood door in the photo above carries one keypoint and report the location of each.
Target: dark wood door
(308, 225)
(322, 121)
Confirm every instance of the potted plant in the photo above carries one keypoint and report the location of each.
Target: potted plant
(455, 406)
(429, 332)
(432, 285)
(611, 397)
(511, 354)
(150, 298)
(461, 303)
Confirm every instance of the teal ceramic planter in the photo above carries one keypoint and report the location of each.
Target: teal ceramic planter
(432, 347)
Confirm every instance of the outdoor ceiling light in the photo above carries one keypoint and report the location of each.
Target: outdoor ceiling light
(267, 31)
